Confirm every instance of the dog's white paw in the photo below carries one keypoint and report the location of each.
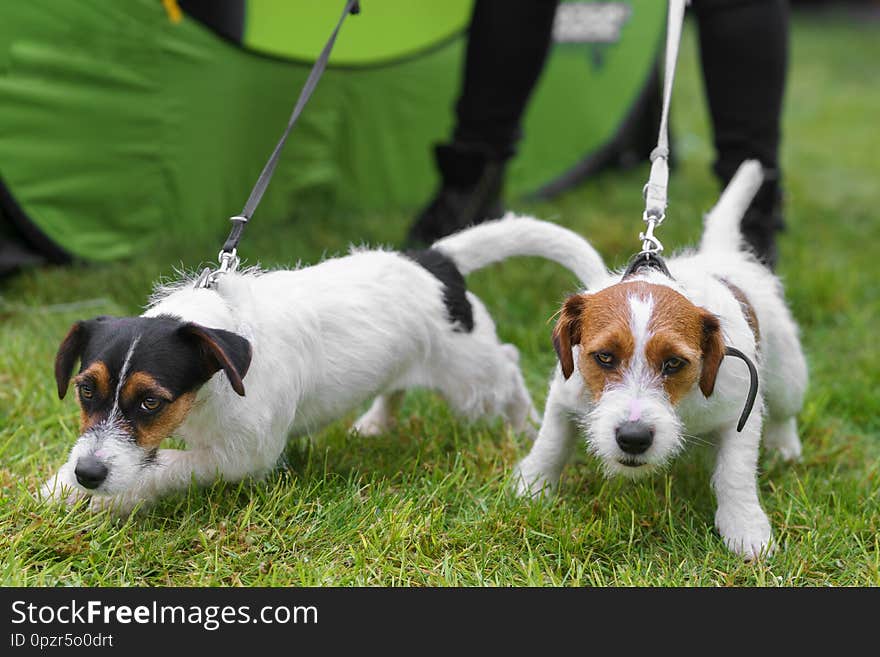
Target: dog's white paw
(529, 481)
(782, 438)
(380, 417)
(746, 532)
(790, 453)
(60, 489)
(369, 426)
(118, 505)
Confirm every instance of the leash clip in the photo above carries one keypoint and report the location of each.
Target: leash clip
(649, 256)
(229, 262)
(650, 244)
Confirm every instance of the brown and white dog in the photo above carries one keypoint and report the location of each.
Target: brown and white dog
(642, 370)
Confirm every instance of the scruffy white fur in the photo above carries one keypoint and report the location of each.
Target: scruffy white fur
(740, 519)
(327, 338)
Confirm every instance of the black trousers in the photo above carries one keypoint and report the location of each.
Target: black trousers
(743, 49)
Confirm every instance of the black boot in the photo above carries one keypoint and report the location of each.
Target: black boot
(472, 177)
(764, 219)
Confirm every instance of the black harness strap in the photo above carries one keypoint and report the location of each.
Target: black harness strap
(753, 385)
(646, 259)
(239, 221)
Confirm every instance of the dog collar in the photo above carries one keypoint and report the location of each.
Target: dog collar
(646, 259)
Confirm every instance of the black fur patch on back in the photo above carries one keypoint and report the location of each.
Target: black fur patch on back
(459, 309)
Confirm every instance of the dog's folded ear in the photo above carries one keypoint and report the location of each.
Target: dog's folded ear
(221, 349)
(567, 332)
(713, 352)
(69, 352)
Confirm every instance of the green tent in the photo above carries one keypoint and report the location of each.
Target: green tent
(123, 120)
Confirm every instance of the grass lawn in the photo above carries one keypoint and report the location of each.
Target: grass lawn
(428, 504)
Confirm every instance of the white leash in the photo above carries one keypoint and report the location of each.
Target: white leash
(655, 192)
(655, 189)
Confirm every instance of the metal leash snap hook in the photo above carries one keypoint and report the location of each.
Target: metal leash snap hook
(208, 277)
(654, 216)
(650, 243)
(205, 279)
(228, 261)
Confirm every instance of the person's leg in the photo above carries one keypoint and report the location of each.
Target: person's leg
(508, 42)
(744, 52)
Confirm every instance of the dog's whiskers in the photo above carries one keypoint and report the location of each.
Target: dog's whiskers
(696, 440)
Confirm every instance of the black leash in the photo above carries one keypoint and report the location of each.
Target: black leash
(228, 256)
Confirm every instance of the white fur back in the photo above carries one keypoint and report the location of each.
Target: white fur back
(512, 235)
(722, 232)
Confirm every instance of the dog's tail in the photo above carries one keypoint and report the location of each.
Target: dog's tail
(493, 241)
(721, 232)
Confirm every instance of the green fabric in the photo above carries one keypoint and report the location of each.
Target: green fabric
(117, 124)
(383, 31)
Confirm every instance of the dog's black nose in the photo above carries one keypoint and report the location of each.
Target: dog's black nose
(90, 472)
(634, 437)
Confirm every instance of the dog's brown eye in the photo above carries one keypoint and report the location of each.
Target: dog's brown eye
(150, 404)
(86, 391)
(604, 359)
(672, 365)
